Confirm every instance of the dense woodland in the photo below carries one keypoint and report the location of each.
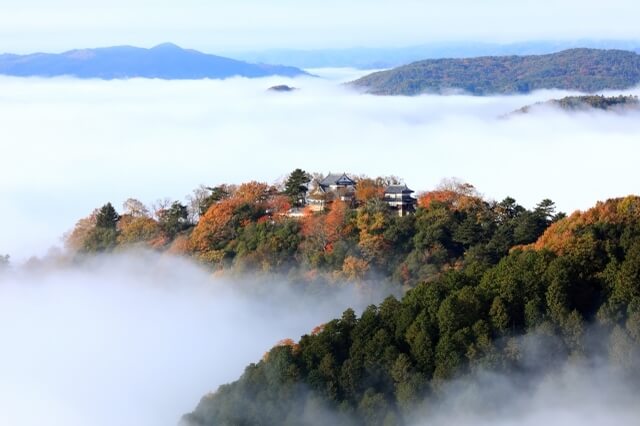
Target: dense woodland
(477, 275)
(577, 288)
(248, 228)
(585, 103)
(584, 70)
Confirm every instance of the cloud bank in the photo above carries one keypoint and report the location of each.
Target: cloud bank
(588, 390)
(70, 146)
(137, 339)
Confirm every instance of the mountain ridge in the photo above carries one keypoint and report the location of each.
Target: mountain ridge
(584, 70)
(619, 103)
(164, 61)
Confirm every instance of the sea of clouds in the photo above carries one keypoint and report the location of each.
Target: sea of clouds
(137, 340)
(69, 146)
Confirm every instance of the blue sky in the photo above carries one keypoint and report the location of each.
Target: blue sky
(29, 25)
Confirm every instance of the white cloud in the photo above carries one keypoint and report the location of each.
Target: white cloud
(70, 146)
(137, 340)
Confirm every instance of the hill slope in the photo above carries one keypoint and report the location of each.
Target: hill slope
(585, 70)
(165, 61)
(583, 275)
(585, 103)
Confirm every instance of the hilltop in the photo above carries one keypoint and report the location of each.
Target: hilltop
(584, 70)
(527, 315)
(166, 61)
(585, 103)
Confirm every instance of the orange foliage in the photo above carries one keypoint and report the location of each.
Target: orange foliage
(284, 342)
(369, 189)
(252, 192)
(179, 246)
(354, 268)
(74, 240)
(318, 329)
(564, 236)
(327, 228)
(456, 195)
(212, 226)
(278, 205)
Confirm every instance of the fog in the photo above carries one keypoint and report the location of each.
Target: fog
(575, 395)
(138, 339)
(69, 146)
(590, 389)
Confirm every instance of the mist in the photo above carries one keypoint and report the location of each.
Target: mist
(70, 146)
(137, 339)
(576, 395)
(592, 388)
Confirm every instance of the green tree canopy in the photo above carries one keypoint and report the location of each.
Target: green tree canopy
(296, 186)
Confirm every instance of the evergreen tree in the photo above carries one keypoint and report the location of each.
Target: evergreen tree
(107, 217)
(296, 187)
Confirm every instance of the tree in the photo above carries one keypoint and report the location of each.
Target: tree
(296, 187)
(107, 217)
(174, 219)
(369, 189)
(135, 208)
(74, 240)
(135, 230)
(204, 197)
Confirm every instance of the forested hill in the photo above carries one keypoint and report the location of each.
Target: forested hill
(165, 61)
(585, 103)
(251, 228)
(377, 368)
(584, 70)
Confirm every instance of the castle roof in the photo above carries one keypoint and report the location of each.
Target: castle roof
(334, 179)
(398, 189)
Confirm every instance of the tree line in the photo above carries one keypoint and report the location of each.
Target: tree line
(577, 289)
(248, 227)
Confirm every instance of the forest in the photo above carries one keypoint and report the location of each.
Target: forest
(248, 228)
(619, 103)
(475, 279)
(583, 70)
(576, 290)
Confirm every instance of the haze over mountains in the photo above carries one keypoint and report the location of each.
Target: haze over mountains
(584, 70)
(165, 61)
(380, 57)
(587, 103)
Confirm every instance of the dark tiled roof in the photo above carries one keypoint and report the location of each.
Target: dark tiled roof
(398, 189)
(334, 179)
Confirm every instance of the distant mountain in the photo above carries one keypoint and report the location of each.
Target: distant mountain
(379, 58)
(585, 103)
(584, 70)
(165, 61)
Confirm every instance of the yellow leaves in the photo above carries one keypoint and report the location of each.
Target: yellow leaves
(371, 226)
(137, 229)
(75, 239)
(354, 268)
(211, 256)
(629, 207)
